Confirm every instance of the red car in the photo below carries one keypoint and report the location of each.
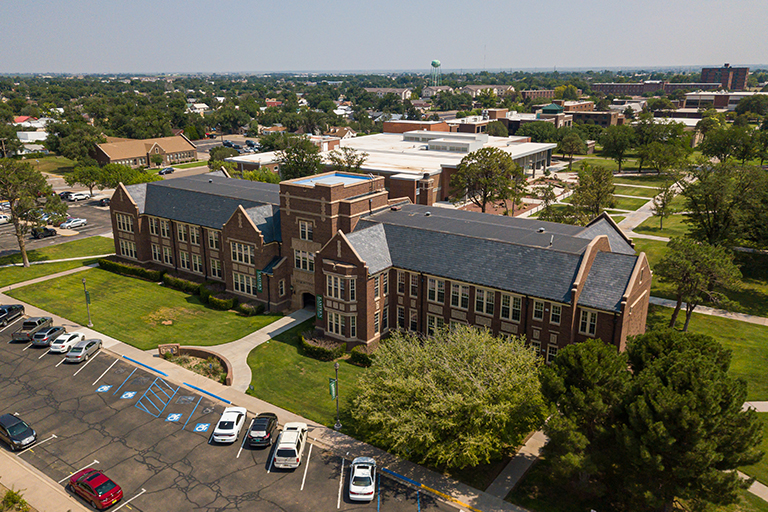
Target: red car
(96, 488)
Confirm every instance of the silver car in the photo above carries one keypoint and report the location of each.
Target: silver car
(45, 337)
(83, 350)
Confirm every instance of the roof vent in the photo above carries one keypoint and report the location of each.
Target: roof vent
(540, 230)
(395, 208)
(428, 214)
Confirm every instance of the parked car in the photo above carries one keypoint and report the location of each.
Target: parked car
(96, 488)
(65, 195)
(237, 146)
(262, 431)
(79, 196)
(45, 337)
(83, 350)
(362, 479)
(5, 218)
(10, 312)
(43, 232)
(290, 445)
(15, 432)
(66, 341)
(250, 143)
(72, 223)
(227, 143)
(104, 201)
(230, 424)
(5, 205)
(167, 170)
(31, 326)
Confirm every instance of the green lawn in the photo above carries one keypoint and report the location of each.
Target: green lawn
(760, 470)
(13, 275)
(53, 164)
(283, 376)
(629, 203)
(674, 225)
(636, 191)
(617, 218)
(627, 166)
(678, 203)
(138, 312)
(84, 247)
(648, 180)
(191, 165)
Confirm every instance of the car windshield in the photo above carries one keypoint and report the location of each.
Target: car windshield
(105, 487)
(18, 428)
(226, 425)
(76, 349)
(286, 453)
(361, 481)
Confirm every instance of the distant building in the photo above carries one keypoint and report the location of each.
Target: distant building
(403, 94)
(198, 108)
(536, 94)
(717, 100)
(138, 152)
(734, 79)
(434, 90)
(575, 106)
(341, 132)
(650, 86)
(476, 90)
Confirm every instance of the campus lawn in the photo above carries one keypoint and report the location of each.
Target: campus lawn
(91, 246)
(760, 470)
(53, 164)
(629, 203)
(627, 166)
(190, 165)
(648, 180)
(13, 275)
(618, 218)
(674, 226)
(283, 376)
(636, 191)
(140, 313)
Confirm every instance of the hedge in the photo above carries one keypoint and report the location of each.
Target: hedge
(209, 288)
(250, 309)
(181, 284)
(360, 357)
(128, 269)
(222, 302)
(320, 353)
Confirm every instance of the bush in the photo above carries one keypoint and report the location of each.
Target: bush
(361, 357)
(209, 288)
(181, 284)
(222, 301)
(321, 353)
(128, 269)
(13, 500)
(250, 308)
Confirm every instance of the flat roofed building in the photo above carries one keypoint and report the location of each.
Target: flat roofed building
(139, 152)
(728, 77)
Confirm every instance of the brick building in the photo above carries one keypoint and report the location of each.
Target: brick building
(734, 79)
(652, 86)
(139, 152)
(368, 264)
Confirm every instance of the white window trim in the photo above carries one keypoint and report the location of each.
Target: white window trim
(581, 316)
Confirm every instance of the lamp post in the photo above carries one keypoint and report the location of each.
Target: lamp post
(337, 426)
(87, 304)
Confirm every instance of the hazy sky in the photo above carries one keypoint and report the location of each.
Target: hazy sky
(143, 36)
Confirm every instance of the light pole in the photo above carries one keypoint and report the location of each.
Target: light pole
(337, 426)
(87, 304)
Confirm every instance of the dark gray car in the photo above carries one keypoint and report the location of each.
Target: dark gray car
(15, 432)
(10, 312)
(83, 350)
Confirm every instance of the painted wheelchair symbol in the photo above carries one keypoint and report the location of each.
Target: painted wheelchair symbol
(103, 389)
(173, 417)
(202, 427)
(128, 394)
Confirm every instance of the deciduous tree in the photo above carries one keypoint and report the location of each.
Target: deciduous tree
(347, 159)
(594, 192)
(482, 176)
(616, 142)
(299, 158)
(569, 145)
(662, 202)
(87, 176)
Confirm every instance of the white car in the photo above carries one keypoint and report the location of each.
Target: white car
(66, 341)
(230, 424)
(78, 196)
(73, 223)
(5, 219)
(290, 445)
(362, 479)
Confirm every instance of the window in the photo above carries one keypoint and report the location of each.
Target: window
(434, 323)
(401, 317)
(181, 230)
(588, 322)
(353, 327)
(511, 307)
(400, 282)
(216, 268)
(197, 264)
(242, 253)
(153, 226)
(414, 285)
(385, 283)
(305, 230)
(184, 259)
(304, 260)
(484, 301)
(352, 289)
(213, 239)
(335, 287)
(435, 290)
(244, 283)
(551, 353)
(538, 310)
(414, 320)
(384, 319)
(555, 314)
(128, 249)
(336, 323)
(194, 235)
(281, 287)
(460, 296)
(156, 253)
(536, 346)
(376, 287)
(167, 256)
(165, 229)
(376, 325)
(124, 222)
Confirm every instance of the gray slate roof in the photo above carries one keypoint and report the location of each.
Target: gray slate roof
(602, 226)
(139, 194)
(267, 219)
(371, 245)
(607, 281)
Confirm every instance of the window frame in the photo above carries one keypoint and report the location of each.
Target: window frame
(552, 314)
(588, 317)
(436, 290)
(537, 314)
(488, 301)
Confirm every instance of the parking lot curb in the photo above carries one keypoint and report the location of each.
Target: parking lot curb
(142, 364)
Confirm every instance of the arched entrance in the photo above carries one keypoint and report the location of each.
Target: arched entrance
(308, 300)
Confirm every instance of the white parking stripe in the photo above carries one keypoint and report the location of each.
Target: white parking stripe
(244, 438)
(53, 436)
(270, 463)
(45, 354)
(105, 372)
(143, 490)
(306, 467)
(86, 363)
(62, 360)
(341, 483)
(25, 348)
(11, 324)
(82, 468)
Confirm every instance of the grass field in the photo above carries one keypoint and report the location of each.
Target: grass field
(54, 164)
(627, 166)
(191, 165)
(629, 203)
(648, 180)
(674, 225)
(138, 312)
(83, 247)
(13, 275)
(636, 191)
(617, 218)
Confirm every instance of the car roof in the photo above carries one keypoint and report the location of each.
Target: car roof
(8, 420)
(234, 410)
(363, 461)
(295, 425)
(83, 343)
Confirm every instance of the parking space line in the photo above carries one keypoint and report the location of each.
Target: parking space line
(306, 467)
(143, 490)
(10, 325)
(271, 460)
(105, 372)
(145, 366)
(245, 437)
(341, 482)
(126, 380)
(82, 468)
(86, 363)
(207, 393)
(45, 354)
(25, 348)
(193, 412)
(62, 360)
(53, 436)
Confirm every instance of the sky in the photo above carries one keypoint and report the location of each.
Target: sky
(254, 36)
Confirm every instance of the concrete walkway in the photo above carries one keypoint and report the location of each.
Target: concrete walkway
(516, 469)
(704, 310)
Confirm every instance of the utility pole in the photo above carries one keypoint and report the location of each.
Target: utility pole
(337, 426)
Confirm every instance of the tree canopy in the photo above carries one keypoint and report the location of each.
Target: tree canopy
(347, 159)
(616, 142)
(299, 158)
(483, 177)
(594, 192)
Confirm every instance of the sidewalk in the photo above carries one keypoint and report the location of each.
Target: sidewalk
(704, 310)
(518, 466)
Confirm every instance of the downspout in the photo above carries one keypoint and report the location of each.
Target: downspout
(175, 246)
(423, 296)
(204, 243)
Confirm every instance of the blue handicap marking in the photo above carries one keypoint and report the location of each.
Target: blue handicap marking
(173, 417)
(202, 427)
(103, 389)
(128, 394)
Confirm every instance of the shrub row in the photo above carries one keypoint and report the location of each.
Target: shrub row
(127, 269)
(208, 288)
(222, 301)
(361, 357)
(321, 353)
(250, 308)
(181, 284)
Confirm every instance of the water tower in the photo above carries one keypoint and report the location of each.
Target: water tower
(436, 73)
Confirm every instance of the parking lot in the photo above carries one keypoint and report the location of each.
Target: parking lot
(152, 437)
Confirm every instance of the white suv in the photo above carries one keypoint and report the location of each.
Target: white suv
(290, 445)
